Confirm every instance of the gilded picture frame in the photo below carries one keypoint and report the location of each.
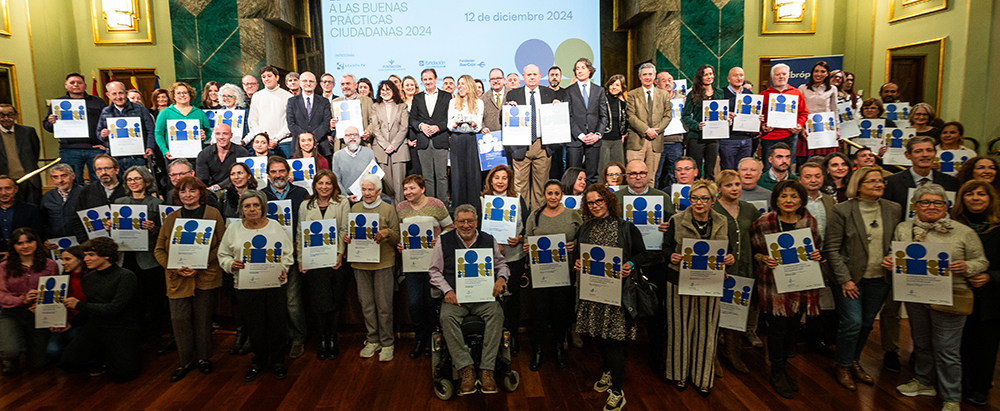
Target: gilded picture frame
(144, 34)
(940, 42)
(904, 9)
(5, 15)
(769, 23)
(8, 87)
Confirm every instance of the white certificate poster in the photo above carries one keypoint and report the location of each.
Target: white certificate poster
(417, 237)
(760, 205)
(183, 139)
(847, 118)
(646, 212)
(93, 221)
(680, 195)
(262, 259)
(612, 189)
(734, 306)
(715, 115)
(783, 111)
(500, 216)
(258, 167)
(675, 126)
(573, 203)
(50, 311)
(951, 160)
(554, 119)
(911, 203)
(126, 138)
(795, 271)
(897, 112)
(895, 139)
(233, 118)
(474, 275)
(361, 228)
(167, 209)
(62, 243)
(126, 226)
(372, 168)
(822, 130)
(348, 114)
(681, 86)
(601, 274)
(749, 107)
(871, 128)
(302, 172)
(516, 122)
(702, 270)
(549, 261)
(920, 272)
(71, 119)
(190, 242)
(281, 211)
(319, 243)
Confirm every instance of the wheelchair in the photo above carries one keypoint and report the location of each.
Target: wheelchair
(473, 329)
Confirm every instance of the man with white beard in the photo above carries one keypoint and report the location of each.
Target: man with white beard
(351, 161)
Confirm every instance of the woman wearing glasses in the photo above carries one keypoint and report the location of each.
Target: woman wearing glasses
(937, 330)
(922, 119)
(181, 94)
(858, 234)
(232, 98)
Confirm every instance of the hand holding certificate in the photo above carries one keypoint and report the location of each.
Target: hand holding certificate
(319, 243)
(474, 275)
(920, 272)
(796, 271)
(417, 241)
(715, 115)
(52, 292)
(190, 242)
(601, 274)
(361, 247)
(703, 268)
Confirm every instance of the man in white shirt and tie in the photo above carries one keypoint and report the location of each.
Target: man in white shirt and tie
(648, 115)
(532, 162)
(588, 117)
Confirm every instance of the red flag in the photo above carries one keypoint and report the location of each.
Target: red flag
(93, 86)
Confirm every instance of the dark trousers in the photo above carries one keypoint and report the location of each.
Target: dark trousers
(558, 166)
(704, 152)
(979, 351)
(613, 353)
(192, 321)
(551, 306)
(657, 330)
(732, 150)
(95, 345)
(586, 157)
(781, 338)
(512, 308)
(326, 288)
(153, 295)
(466, 176)
(418, 297)
(18, 334)
(267, 323)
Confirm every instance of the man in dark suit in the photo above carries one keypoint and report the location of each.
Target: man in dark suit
(308, 112)
(921, 152)
(588, 117)
(428, 119)
(531, 163)
(15, 214)
(19, 154)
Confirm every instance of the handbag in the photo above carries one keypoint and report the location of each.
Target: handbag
(962, 300)
(639, 296)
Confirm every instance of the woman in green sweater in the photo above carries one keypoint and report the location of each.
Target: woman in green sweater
(699, 148)
(181, 94)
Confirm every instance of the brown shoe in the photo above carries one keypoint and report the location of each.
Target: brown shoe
(733, 349)
(489, 385)
(468, 381)
(861, 374)
(844, 378)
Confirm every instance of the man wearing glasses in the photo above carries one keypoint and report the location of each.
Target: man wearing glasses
(19, 154)
(921, 152)
(250, 86)
(637, 178)
(102, 191)
(493, 100)
(351, 161)
(179, 169)
(121, 107)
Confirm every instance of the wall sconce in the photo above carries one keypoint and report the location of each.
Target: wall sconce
(789, 11)
(121, 15)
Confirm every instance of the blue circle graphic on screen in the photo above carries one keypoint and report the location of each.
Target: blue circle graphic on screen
(535, 52)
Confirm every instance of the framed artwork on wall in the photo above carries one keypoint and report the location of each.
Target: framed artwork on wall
(788, 17)
(8, 87)
(121, 21)
(5, 17)
(904, 9)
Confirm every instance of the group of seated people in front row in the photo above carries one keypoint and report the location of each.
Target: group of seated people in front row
(115, 297)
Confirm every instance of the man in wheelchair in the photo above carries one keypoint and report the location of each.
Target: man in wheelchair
(442, 276)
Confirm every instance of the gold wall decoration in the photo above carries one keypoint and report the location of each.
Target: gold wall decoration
(128, 22)
(5, 16)
(935, 74)
(788, 17)
(904, 9)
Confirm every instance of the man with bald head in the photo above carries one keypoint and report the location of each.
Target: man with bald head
(740, 143)
(532, 162)
(214, 161)
(122, 107)
(308, 112)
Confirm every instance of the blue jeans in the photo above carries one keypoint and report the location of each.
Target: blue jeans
(284, 149)
(731, 151)
(418, 296)
(59, 341)
(296, 313)
(857, 315)
(937, 342)
(668, 158)
(78, 158)
(766, 149)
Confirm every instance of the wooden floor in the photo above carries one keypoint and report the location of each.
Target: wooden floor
(351, 383)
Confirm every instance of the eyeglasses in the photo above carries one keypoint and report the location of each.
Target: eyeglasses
(878, 181)
(227, 96)
(104, 168)
(250, 84)
(134, 180)
(700, 200)
(684, 169)
(8, 115)
(351, 134)
(172, 175)
(614, 174)
(929, 203)
(465, 222)
(597, 202)
(637, 174)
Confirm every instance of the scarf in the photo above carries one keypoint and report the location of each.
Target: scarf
(372, 206)
(921, 228)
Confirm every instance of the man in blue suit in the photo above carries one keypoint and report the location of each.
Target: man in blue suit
(307, 112)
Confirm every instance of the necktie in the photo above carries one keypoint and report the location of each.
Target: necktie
(649, 108)
(534, 118)
(586, 96)
(309, 107)
(499, 104)
(924, 181)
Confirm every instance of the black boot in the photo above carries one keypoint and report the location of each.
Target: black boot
(514, 346)
(418, 349)
(779, 382)
(536, 359)
(246, 348)
(560, 356)
(333, 351)
(241, 338)
(323, 348)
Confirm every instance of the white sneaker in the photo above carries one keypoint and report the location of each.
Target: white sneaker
(914, 388)
(370, 350)
(386, 354)
(951, 406)
(604, 383)
(616, 401)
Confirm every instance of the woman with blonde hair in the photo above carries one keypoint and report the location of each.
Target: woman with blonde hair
(922, 119)
(465, 119)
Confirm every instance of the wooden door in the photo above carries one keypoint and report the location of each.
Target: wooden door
(908, 73)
